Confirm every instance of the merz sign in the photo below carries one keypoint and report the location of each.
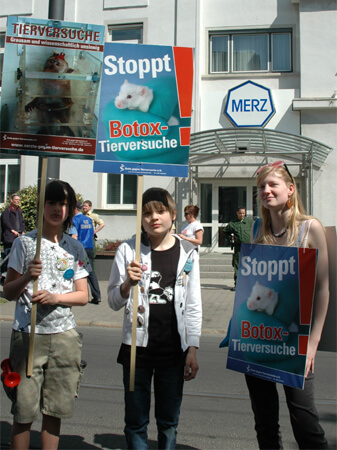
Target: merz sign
(249, 105)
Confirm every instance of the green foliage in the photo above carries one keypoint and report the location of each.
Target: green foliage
(79, 198)
(28, 205)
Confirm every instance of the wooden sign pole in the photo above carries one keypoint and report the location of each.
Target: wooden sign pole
(135, 289)
(37, 256)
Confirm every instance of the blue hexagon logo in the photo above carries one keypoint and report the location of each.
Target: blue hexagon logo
(249, 105)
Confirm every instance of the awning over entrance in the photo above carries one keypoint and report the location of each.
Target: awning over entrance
(245, 147)
(257, 145)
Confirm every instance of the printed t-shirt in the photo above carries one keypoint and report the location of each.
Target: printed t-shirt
(62, 264)
(164, 346)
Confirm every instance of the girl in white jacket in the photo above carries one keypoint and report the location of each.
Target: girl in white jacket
(168, 319)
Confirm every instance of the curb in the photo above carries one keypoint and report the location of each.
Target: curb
(87, 323)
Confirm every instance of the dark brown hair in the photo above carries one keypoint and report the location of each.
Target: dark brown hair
(155, 199)
(58, 191)
(192, 209)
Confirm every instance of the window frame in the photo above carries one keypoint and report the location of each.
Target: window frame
(2, 52)
(253, 32)
(231, 42)
(120, 205)
(210, 61)
(126, 26)
(290, 52)
(9, 162)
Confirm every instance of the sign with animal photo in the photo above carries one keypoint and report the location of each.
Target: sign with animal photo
(145, 110)
(272, 313)
(50, 87)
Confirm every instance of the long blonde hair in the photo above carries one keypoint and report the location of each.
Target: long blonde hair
(297, 212)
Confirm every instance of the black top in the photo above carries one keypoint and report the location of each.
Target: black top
(164, 347)
(11, 219)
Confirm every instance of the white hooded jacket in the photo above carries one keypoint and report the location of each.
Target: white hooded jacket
(187, 293)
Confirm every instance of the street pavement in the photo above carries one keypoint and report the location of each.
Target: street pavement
(216, 412)
(215, 415)
(217, 302)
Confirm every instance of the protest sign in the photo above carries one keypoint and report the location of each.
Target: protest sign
(50, 86)
(144, 122)
(272, 313)
(145, 110)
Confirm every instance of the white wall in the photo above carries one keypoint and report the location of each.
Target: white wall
(246, 14)
(318, 20)
(314, 49)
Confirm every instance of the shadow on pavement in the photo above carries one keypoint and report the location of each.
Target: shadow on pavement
(115, 441)
(75, 442)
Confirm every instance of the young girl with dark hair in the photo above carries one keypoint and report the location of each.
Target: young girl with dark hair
(61, 272)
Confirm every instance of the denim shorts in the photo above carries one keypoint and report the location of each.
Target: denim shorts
(55, 375)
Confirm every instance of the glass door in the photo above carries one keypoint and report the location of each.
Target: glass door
(229, 199)
(206, 212)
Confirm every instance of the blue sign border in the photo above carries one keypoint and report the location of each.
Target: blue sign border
(249, 125)
(153, 141)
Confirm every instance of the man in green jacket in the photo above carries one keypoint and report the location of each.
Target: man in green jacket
(238, 231)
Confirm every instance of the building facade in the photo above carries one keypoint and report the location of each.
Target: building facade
(264, 89)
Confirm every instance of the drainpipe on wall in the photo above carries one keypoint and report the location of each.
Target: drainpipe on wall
(311, 191)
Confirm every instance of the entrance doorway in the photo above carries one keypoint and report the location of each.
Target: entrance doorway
(230, 198)
(219, 201)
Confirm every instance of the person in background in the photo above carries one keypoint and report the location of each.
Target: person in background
(12, 226)
(284, 222)
(83, 230)
(238, 232)
(193, 231)
(168, 320)
(96, 220)
(61, 272)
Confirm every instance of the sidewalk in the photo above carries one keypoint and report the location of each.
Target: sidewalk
(217, 301)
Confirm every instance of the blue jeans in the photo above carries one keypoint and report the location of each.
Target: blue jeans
(92, 278)
(7, 249)
(168, 393)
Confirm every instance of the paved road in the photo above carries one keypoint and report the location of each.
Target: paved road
(217, 299)
(216, 410)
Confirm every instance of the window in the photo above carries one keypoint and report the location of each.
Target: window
(281, 49)
(230, 198)
(219, 52)
(121, 189)
(131, 34)
(206, 213)
(2, 52)
(9, 176)
(250, 52)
